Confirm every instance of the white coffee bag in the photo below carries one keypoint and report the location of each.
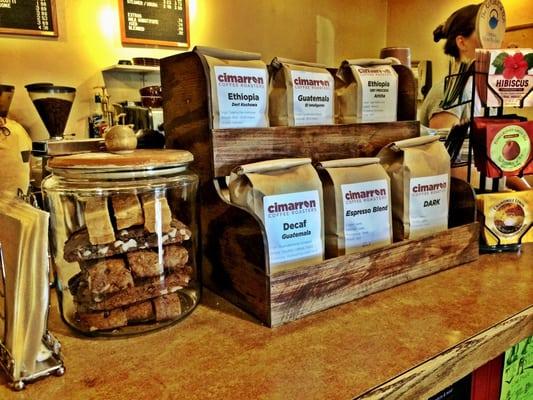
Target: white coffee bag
(238, 85)
(357, 205)
(286, 195)
(419, 170)
(367, 91)
(300, 94)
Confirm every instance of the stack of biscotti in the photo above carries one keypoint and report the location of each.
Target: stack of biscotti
(133, 261)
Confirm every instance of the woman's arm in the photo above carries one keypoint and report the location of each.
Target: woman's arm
(443, 120)
(516, 183)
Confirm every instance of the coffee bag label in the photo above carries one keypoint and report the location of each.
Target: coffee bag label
(378, 93)
(366, 213)
(313, 96)
(428, 206)
(293, 224)
(242, 97)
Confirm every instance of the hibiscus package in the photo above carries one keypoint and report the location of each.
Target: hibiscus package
(503, 77)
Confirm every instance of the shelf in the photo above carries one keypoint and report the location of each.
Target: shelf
(132, 68)
(233, 241)
(407, 342)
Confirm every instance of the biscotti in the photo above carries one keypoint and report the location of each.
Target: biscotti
(132, 255)
(123, 233)
(98, 221)
(144, 289)
(78, 247)
(160, 309)
(167, 306)
(107, 276)
(103, 320)
(139, 312)
(127, 209)
(145, 263)
(156, 212)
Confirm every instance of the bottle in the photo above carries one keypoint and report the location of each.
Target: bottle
(97, 116)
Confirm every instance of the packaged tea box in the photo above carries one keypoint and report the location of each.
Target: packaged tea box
(504, 77)
(419, 171)
(357, 211)
(238, 86)
(286, 195)
(506, 217)
(300, 93)
(366, 91)
(502, 147)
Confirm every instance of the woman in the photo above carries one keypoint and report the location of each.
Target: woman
(461, 43)
(459, 30)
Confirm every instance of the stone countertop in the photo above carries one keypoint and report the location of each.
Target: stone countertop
(221, 352)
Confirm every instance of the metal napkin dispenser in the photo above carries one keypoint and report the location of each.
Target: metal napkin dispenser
(28, 351)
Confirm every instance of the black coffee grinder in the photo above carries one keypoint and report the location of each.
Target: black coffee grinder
(53, 103)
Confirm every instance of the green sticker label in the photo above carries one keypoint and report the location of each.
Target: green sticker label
(510, 148)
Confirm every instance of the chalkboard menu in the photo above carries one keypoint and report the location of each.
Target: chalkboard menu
(28, 17)
(154, 22)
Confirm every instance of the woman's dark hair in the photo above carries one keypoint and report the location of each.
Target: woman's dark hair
(461, 22)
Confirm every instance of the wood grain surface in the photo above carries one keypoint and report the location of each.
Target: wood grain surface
(447, 323)
(342, 279)
(137, 158)
(233, 147)
(426, 378)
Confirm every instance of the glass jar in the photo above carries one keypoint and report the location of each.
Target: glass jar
(123, 239)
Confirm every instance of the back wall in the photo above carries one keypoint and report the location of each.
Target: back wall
(326, 31)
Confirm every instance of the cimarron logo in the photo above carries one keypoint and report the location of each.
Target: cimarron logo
(429, 188)
(311, 82)
(245, 79)
(291, 206)
(364, 194)
(509, 217)
(374, 71)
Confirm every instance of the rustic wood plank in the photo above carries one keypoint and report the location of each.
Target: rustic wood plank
(342, 279)
(233, 147)
(234, 258)
(232, 245)
(463, 203)
(407, 95)
(186, 111)
(448, 367)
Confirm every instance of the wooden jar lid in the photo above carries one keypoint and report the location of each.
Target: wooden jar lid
(141, 159)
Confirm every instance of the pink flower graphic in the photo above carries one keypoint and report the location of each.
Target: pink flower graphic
(514, 66)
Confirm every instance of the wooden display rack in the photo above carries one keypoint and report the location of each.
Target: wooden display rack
(233, 242)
